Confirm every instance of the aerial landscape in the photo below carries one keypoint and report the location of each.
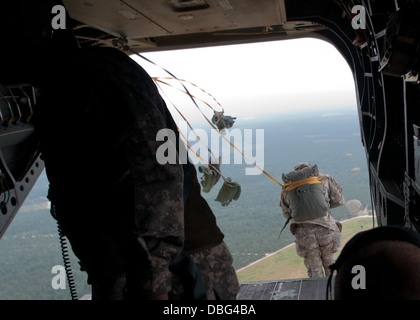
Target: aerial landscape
(31, 248)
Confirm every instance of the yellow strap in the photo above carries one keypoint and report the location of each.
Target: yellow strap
(295, 184)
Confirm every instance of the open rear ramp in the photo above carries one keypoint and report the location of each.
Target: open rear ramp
(295, 289)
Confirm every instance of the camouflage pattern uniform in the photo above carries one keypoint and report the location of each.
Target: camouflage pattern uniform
(121, 210)
(318, 239)
(96, 121)
(219, 276)
(204, 241)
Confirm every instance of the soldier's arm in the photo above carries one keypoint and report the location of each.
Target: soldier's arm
(284, 204)
(335, 192)
(159, 211)
(159, 217)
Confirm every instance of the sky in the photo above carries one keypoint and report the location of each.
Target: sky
(250, 80)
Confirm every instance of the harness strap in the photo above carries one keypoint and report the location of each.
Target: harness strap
(285, 224)
(295, 184)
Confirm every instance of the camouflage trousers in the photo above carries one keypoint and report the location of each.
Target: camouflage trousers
(317, 245)
(216, 270)
(219, 276)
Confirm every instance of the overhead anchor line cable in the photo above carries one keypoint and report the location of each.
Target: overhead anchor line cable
(211, 124)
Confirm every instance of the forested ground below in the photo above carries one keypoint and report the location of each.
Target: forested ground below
(30, 248)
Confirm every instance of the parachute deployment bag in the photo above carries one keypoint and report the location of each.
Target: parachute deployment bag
(306, 197)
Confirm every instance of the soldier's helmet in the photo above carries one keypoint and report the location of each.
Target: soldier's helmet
(302, 165)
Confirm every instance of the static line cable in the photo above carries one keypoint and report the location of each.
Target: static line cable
(168, 72)
(157, 80)
(191, 96)
(193, 84)
(185, 141)
(195, 103)
(189, 125)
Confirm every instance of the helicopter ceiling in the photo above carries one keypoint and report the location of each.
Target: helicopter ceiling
(172, 24)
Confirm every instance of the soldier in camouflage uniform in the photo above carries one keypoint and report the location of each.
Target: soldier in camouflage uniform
(96, 119)
(219, 276)
(204, 243)
(121, 210)
(203, 238)
(127, 255)
(318, 239)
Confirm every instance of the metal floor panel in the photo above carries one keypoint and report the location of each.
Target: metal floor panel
(296, 289)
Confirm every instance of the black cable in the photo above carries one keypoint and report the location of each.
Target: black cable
(66, 258)
(67, 264)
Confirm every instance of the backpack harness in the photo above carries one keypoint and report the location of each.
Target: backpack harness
(306, 196)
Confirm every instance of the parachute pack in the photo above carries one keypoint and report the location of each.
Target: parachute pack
(307, 200)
